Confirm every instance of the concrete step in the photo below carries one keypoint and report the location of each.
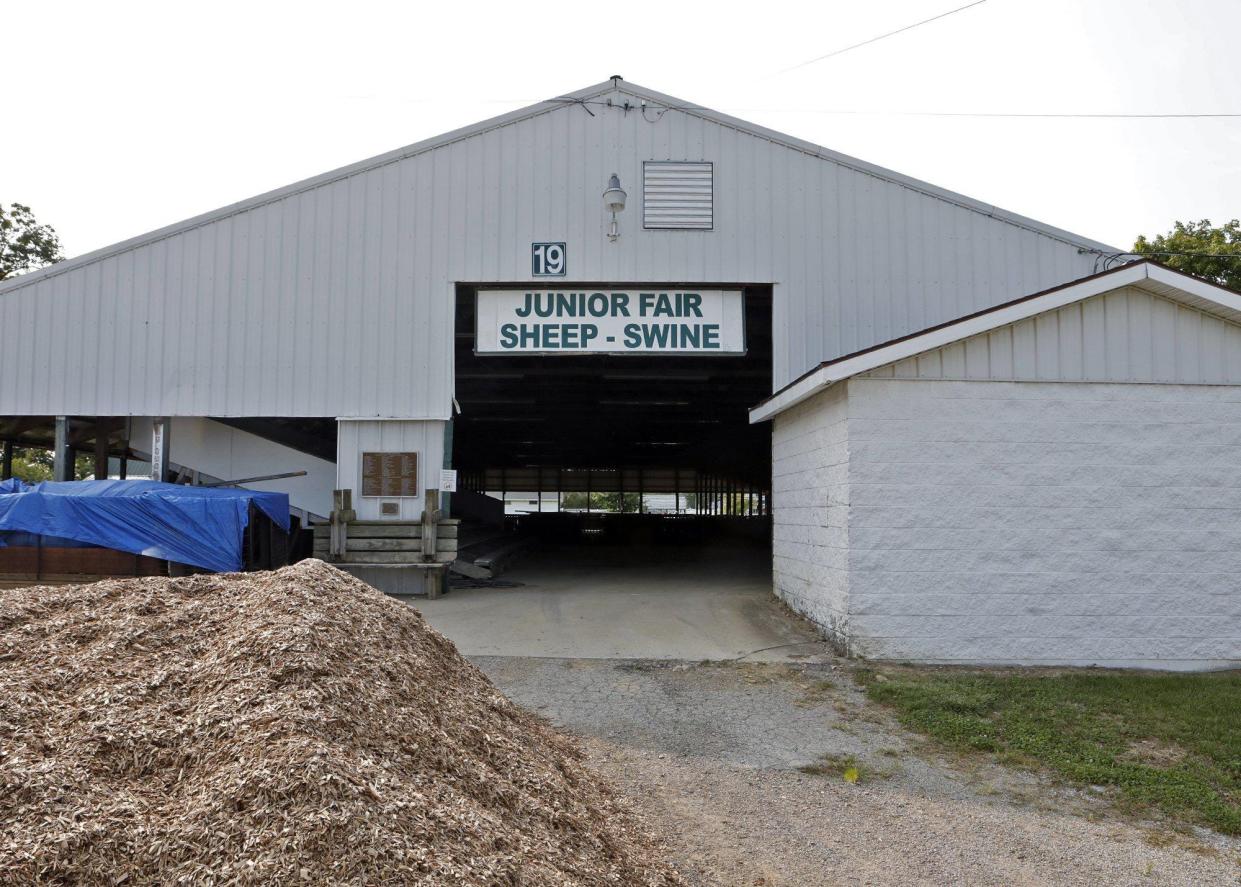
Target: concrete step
(483, 552)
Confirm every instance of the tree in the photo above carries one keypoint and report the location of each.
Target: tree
(25, 244)
(1216, 252)
(576, 501)
(33, 465)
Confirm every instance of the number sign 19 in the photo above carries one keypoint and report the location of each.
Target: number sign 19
(548, 259)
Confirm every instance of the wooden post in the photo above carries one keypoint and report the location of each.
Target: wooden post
(430, 517)
(6, 460)
(430, 512)
(342, 514)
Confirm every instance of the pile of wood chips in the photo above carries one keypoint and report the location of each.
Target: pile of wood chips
(280, 728)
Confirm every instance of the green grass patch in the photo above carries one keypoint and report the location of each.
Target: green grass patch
(1166, 741)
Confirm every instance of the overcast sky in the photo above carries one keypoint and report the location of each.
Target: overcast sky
(123, 117)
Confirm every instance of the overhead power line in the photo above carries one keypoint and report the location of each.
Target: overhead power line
(1034, 115)
(1195, 255)
(1155, 252)
(1040, 114)
(1111, 260)
(845, 49)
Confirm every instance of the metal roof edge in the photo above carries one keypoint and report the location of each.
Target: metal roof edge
(276, 194)
(840, 368)
(546, 106)
(871, 169)
(846, 366)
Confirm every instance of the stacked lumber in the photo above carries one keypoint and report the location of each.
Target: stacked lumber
(389, 542)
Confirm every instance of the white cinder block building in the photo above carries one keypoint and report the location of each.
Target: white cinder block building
(979, 438)
(1053, 481)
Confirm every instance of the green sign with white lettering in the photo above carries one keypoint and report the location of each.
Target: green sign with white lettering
(610, 321)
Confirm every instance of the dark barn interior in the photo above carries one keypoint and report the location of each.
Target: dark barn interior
(667, 429)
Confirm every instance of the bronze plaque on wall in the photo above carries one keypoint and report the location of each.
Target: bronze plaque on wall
(389, 474)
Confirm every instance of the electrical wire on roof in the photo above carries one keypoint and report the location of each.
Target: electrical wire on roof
(658, 117)
(845, 49)
(1111, 260)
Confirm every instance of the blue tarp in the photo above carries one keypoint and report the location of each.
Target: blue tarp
(13, 485)
(200, 526)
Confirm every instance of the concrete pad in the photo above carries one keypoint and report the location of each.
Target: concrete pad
(629, 603)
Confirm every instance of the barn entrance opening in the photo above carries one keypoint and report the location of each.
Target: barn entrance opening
(641, 448)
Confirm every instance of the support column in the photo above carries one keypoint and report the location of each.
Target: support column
(160, 433)
(127, 428)
(446, 498)
(102, 428)
(6, 460)
(62, 453)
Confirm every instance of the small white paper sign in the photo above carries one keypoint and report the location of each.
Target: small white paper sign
(448, 480)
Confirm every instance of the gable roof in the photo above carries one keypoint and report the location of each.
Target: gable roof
(1190, 291)
(584, 97)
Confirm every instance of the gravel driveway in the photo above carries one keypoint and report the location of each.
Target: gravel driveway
(712, 753)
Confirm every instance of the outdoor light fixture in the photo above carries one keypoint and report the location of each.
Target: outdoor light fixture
(614, 200)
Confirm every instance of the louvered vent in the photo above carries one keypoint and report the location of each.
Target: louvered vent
(676, 195)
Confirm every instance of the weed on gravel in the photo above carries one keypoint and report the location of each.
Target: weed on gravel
(847, 767)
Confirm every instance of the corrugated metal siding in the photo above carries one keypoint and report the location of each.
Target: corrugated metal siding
(677, 195)
(1128, 335)
(338, 299)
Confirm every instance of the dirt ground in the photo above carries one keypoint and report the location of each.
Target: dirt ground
(741, 767)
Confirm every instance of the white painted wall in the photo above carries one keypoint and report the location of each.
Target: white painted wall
(810, 499)
(1032, 522)
(356, 436)
(228, 453)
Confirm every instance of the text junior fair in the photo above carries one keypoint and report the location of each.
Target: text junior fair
(683, 328)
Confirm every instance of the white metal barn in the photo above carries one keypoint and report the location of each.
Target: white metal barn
(980, 448)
